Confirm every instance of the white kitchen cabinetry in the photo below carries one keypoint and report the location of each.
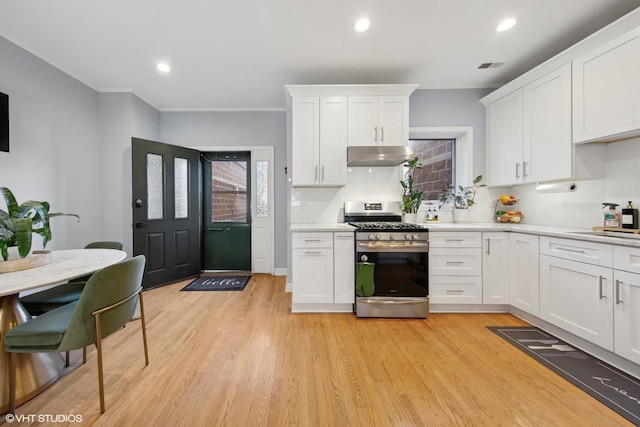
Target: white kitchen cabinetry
(504, 139)
(524, 287)
(319, 135)
(455, 268)
(606, 84)
(323, 271)
(576, 288)
(547, 145)
(495, 267)
(529, 132)
(344, 269)
(626, 275)
(312, 268)
(378, 120)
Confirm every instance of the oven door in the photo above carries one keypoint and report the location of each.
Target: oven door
(400, 276)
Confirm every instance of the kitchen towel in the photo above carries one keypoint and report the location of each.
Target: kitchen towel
(365, 287)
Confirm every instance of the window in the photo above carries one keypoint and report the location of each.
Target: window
(438, 166)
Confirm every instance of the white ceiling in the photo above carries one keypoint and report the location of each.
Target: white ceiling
(238, 54)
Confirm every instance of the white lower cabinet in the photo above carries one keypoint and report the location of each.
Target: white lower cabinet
(626, 309)
(578, 297)
(455, 268)
(344, 269)
(495, 268)
(524, 286)
(323, 271)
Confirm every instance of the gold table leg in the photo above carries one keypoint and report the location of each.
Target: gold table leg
(35, 371)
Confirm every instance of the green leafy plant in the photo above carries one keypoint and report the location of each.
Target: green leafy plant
(19, 222)
(411, 198)
(461, 197)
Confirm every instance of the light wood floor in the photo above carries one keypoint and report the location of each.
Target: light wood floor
(242, 359)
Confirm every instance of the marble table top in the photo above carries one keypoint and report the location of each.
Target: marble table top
(66, 265)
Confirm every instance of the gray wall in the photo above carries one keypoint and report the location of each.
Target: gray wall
(452, 108)
(55, 145)
(237, 129)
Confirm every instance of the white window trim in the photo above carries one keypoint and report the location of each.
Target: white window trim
(464, 147)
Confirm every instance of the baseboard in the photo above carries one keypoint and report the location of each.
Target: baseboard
(280, 272)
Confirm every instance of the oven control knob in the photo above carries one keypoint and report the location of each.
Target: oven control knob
(392, 236)
(409, 236)
(374, 236)
(415, 237)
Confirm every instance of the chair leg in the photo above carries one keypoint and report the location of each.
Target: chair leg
(84, 355)
(144, 331)
(12, 382)
(66, 359)
(99, 351)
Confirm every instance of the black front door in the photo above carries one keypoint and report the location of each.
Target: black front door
(166, 210)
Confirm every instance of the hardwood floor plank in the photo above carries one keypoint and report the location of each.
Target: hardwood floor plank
(243, 359)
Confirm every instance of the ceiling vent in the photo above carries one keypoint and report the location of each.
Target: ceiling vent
(490, 65)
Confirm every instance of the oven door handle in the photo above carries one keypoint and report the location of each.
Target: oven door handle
(392, 247)
(380, 300)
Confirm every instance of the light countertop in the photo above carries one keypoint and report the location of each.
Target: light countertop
(541, 230)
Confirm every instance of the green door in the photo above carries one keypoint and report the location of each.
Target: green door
(226, 232)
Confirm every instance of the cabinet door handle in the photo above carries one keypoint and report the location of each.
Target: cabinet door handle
(600, 280)
(524, 169)
(375, 129)
(381, 133)
(517, 170)
(618, 300)
(488, 246)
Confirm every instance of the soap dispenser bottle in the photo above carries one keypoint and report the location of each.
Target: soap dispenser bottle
(611, 216)
(630, 217)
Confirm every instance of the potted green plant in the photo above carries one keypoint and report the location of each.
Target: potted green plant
(19, 222)
(411, 198)
(461, 197)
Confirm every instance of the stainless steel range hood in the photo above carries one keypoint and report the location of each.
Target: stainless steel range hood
(379, 155)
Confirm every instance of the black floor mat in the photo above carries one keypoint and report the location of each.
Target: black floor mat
(616, 389)
(218, 283)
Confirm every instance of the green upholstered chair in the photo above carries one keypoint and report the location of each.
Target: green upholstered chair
(52, 298)
(107, 303)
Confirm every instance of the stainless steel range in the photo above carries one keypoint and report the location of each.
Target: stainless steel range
(391, 261)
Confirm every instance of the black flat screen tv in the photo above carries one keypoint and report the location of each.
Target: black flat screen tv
(4, 122)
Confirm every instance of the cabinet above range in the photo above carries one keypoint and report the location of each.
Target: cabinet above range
(326, 119)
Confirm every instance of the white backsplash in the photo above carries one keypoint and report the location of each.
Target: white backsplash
(317, 205)
(581, 208)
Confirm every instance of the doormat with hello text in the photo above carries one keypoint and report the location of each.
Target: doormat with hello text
(218, 283)
(614, 388)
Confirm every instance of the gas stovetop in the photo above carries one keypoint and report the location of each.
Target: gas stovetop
(385, 225)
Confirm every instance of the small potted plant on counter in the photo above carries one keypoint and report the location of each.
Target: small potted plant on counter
(462, 198)
(411, 198)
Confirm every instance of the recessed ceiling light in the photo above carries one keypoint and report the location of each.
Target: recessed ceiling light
(362, 25)
(506, 24)
(163, 67)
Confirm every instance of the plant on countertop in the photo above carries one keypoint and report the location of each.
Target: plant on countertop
(19, 222)
(461, 197)
(411, 198)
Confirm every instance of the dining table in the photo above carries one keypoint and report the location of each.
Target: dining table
(37, 371)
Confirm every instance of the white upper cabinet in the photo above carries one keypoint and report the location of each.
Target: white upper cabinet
(529, 132)
(504, 140)
(547, 145)
(606, 94)
(378, 120)
(319, 133)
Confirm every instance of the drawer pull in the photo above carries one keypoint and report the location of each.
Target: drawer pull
(454, 240)
(600, 280)
(313, 240)
(312, 252)
(618, 300)
(577, 251)
(455, 291)
(455, 262)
